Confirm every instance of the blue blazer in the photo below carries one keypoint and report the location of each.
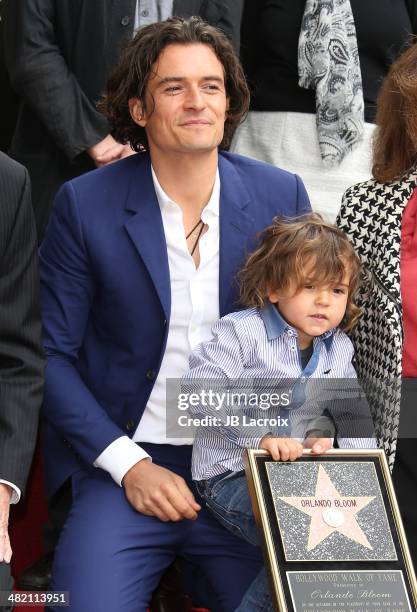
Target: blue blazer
(106, 293)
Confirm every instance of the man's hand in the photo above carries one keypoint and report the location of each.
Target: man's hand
(156, 491)
(108, 150)
(5, 548)
(282, 449)
(318, 445)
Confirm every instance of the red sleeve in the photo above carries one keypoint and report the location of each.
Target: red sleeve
(408, 263)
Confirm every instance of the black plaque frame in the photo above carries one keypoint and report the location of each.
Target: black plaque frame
(278, 566)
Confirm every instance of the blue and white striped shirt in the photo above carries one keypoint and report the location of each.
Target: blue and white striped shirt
(251, 365)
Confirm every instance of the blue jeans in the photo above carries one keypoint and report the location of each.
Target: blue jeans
(227, 497)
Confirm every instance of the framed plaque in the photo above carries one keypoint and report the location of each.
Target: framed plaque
(332, 532)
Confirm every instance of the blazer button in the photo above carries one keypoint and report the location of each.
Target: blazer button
(125, 20)
(130, 425)
(150, 374)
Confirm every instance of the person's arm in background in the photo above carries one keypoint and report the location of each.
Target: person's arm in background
(412, 11)
(248, 43)
(21, 358)
(230, 18)
(40, 75)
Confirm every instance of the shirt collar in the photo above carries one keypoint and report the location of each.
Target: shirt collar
(276, 325)
(211, 208)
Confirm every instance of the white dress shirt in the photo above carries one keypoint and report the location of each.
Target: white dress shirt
(194, 310)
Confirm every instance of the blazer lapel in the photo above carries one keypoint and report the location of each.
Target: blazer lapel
(146, 231)
(236, 226)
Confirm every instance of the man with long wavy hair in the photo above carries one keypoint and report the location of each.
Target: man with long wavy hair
(138, 263)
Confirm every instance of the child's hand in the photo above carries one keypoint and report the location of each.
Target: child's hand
(282, 449)
(318, 445)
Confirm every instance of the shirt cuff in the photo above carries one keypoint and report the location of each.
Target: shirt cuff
(16, 492)
(119, 457)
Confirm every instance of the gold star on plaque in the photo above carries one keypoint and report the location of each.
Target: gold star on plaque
(331, 512)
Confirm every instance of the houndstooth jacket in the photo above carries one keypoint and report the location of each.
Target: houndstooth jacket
(371, 216)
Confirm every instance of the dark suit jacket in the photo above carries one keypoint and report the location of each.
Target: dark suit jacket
(59, 55)
(106, 297)
(21, 359)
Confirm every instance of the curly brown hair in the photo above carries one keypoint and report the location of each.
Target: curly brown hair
(131, 76)
(287, 249)
(395, 141)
